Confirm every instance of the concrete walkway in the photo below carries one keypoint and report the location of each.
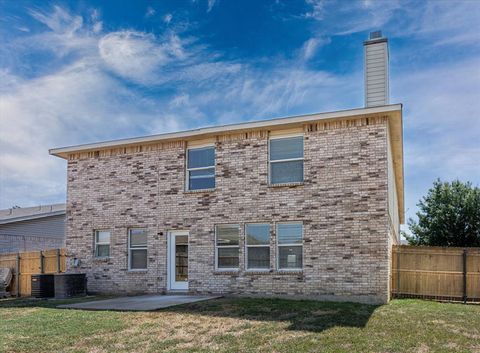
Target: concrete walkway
(138, 303)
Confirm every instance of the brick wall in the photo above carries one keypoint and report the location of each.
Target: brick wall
(343, 205)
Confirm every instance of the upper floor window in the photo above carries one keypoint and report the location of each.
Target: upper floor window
(290, 246)
(227, 246)
(102, 243)
(286, 160)
(201, 168)
(137, 249)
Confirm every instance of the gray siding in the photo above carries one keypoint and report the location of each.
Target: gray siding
(19, 243)
(36, 234)
(376, 73)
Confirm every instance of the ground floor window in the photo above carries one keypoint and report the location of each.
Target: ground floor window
(290, 246)
(257, 239)
(102, 243)
(137, 249)
(227, 246)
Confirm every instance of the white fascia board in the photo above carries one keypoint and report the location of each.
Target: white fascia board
(31, 217)
(227, 128)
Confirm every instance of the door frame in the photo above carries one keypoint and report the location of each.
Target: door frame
(171, 283)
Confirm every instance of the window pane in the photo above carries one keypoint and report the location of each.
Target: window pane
(286, 172)
(103, 251)
(228, 234)
(286, 148)
(181, 258)
(228, 257)
(103, 237)
(201, 179)
(138, 259)
(258, 257)
(289, 233)
(201, 157)
(289, 257)
(202, 173)
(257, 234)
(200, 184)
(138, 237)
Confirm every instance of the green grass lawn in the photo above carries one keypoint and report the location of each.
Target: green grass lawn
(243, 325)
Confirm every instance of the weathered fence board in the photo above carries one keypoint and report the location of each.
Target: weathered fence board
(436, 272)
(26, 264)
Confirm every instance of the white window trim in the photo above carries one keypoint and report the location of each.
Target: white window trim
(188, 170)
(95, 252)
(296, 269)
(270, 162)
(130, 269)
(227, 269)
(254, 269)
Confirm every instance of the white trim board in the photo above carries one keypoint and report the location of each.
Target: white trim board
(62, 151)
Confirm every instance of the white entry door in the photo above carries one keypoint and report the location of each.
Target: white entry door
(177, 272)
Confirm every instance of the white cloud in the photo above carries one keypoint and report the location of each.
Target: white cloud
(407, 18)
(460, 39)
(59, 21)
(167, 18)
(8, 81)
(317, 11)
(95, 15)
(132, 55)
(210, 5)
(76, 105)
(441, 125)
(311, 46)
(180, 100)
(97, 27)
(142, 58)
(67, 34)
(208, 70)
(459, 23)
(454, 16)
(375, 15)
(150, 12)
(441, 96)
(257, 94)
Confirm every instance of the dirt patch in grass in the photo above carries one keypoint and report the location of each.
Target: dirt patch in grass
(324, 312)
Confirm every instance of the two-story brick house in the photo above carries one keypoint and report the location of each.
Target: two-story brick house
(305, 206)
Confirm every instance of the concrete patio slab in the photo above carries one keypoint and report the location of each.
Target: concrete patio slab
(138, 303)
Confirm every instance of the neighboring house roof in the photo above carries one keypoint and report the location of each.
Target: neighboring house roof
(393, 112)
(12, 215)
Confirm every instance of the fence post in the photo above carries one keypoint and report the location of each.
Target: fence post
(398, 272)
(42, 266)
(464, 276)
(17, 273)
(58, 261)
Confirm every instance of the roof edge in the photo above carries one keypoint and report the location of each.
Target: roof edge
(31, 217)
(63, 151)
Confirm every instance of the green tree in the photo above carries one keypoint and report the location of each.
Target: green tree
(448, 216)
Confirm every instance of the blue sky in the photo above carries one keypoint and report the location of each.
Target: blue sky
(84, 71)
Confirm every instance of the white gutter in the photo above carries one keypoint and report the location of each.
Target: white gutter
(225, 128)
(31, 217)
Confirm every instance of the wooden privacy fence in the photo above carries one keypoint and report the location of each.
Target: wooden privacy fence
(26, 264)
(436, 273)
